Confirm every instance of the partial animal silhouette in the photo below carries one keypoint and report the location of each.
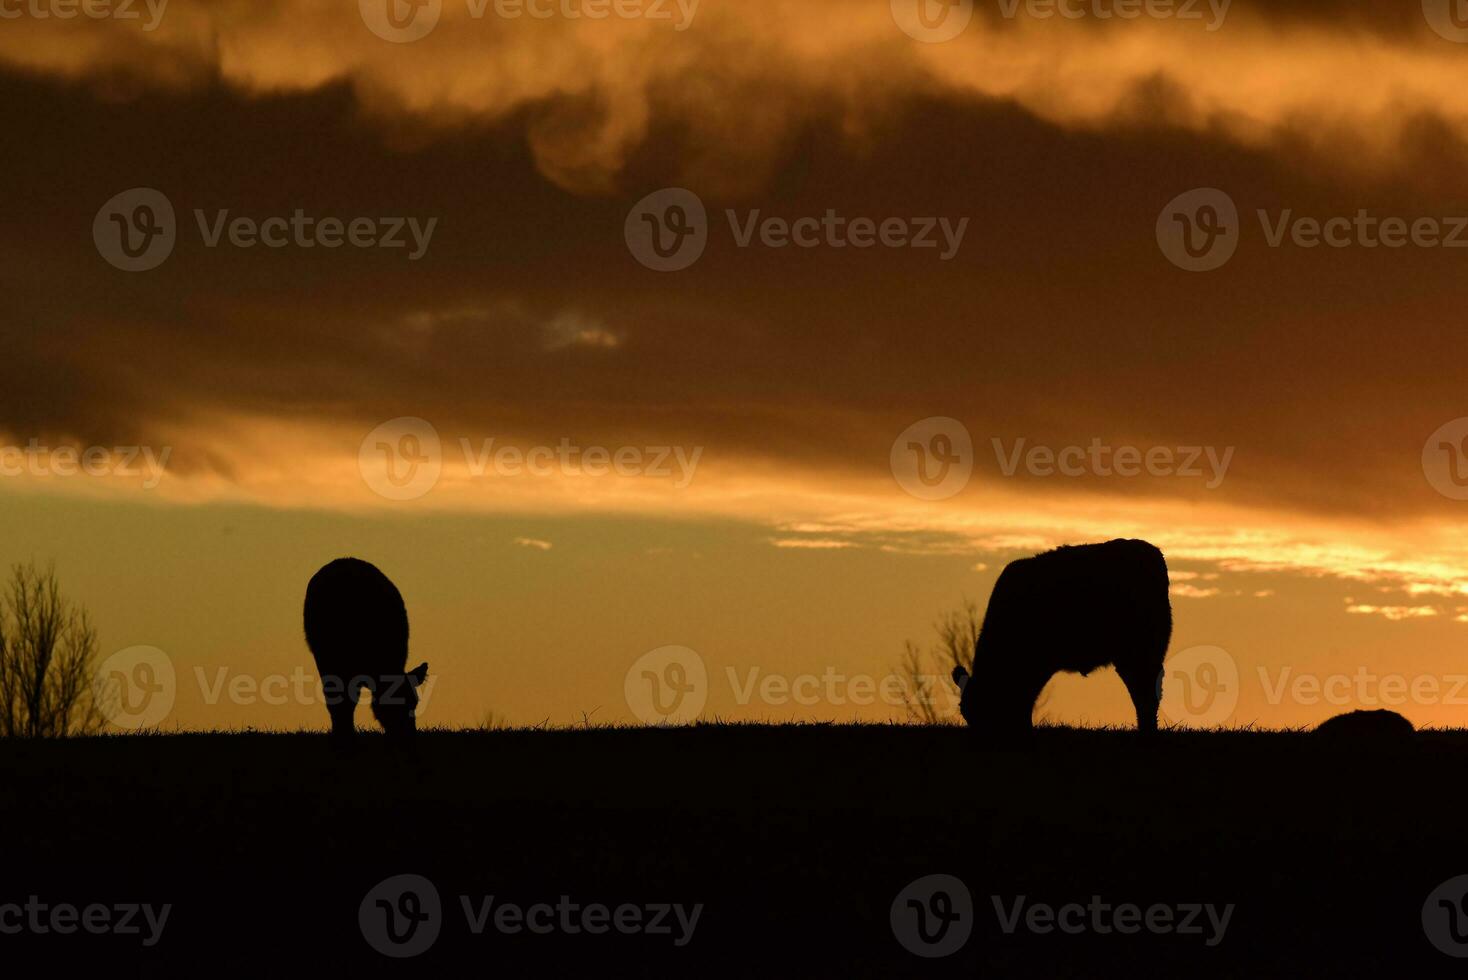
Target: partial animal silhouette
(357, 630)
(1378, 723)
(1076, 608)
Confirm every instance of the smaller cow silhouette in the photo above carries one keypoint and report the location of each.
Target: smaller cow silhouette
(1379, 723)
(357, 630)
(1074, 609)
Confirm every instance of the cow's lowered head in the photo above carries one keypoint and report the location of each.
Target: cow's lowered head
(997, 716)
(395, 702)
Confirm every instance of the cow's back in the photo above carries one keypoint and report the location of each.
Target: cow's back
(355, 620)
(1067, 606)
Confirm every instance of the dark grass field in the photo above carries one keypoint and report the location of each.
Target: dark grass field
(796, 840)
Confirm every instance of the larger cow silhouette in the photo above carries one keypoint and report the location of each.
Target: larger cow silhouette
(1072, 609)
(357, 629)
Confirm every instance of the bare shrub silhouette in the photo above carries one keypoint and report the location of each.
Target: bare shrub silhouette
(922, 673)
(926, 699)
(48, 650)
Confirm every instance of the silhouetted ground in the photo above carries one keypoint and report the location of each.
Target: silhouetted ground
(795, 839)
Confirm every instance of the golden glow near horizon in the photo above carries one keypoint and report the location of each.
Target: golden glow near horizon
(1250, 562)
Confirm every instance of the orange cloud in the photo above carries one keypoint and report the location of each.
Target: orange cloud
(741, 78)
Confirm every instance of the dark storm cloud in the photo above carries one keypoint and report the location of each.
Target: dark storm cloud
(1058, 320)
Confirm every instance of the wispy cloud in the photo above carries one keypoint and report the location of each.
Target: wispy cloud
(1192, 591)
(572, 329)
(820, 544)
(1394, 613)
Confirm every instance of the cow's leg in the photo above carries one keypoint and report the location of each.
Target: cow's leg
(1143, 684)
(343, 710)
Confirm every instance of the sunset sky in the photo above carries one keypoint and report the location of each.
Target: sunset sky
(1323, 531)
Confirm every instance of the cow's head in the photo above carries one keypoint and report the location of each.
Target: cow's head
(395, 702)
(986, 708)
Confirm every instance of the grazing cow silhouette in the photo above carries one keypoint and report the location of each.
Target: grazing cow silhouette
(357, 629)
(1379, 723)
(1076, 608)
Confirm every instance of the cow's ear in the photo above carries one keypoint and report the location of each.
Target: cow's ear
(418, 675)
